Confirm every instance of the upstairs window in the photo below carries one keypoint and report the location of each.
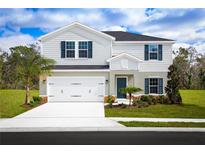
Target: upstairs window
(76, 49)
(153, 52)
(83, 49)
(70, 49)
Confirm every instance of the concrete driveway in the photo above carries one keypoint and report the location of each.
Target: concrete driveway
(59, 110)
(61, 115)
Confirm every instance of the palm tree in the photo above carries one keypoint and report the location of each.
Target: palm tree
(130, 90)
(30, 65)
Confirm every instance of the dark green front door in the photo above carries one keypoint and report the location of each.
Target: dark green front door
(121, 83)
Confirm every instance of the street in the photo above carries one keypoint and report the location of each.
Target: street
(102, 138)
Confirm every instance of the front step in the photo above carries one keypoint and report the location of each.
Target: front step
(121, 101)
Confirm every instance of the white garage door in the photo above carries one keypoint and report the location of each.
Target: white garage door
(81, 89)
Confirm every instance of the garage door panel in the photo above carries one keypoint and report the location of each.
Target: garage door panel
(58, 93)
(76, 89)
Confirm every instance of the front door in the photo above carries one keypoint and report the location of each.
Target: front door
(121, 83)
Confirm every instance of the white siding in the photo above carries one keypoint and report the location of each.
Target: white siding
(137, 50)
(123, 64)
(101, 47)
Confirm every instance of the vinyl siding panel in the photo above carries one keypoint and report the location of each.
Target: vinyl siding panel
(138, 79)
(101, 47)
(118, 64)
(137, 50)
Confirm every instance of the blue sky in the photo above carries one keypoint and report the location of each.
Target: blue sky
(186, 26)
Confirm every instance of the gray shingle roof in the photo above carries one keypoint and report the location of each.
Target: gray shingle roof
(62, 67)
(127, 36)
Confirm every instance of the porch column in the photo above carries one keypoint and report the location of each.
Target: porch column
(112, 83)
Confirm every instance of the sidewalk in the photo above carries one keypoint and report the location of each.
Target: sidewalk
(157, 119)
(63, 122)
(101, 129)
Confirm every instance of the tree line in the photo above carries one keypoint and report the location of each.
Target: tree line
(189, 68)
(186, 72)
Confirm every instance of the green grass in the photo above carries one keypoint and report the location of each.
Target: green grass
(193, 107)
(162, 124)
(11, 101)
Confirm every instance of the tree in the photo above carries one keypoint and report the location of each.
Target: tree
(29, 65)
(3, 56)
(200, 71)
(172, 88)
(130, 90)
(184, 61)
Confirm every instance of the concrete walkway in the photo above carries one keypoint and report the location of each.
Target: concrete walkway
(157, 119)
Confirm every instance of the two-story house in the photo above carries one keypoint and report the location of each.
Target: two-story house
(91, 64)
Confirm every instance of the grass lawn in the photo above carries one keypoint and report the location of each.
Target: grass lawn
(11, 101)
(193, 107)
(162, 124)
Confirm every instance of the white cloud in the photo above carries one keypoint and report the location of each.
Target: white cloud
(15, 40)
(176, 46)
(168, 23)
(200, 47)
(132, 17)
(114, 28)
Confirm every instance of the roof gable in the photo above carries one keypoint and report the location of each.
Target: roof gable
(124, 55)
(76, 24)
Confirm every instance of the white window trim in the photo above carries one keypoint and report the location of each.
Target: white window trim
(76, 50)
(83, 49)
(69, 49)
(153, 52)
(154, 85)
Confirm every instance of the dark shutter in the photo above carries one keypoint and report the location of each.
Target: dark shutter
(62, 49)
(160, 52)
(146, 86)
(160, 91)
(146, 52)
(90, 49)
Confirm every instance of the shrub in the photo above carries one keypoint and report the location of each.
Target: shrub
(173, 85)
(32, 103)
(146, 98)
(163, 99)
(37, 99)
(110, 100)
(140, 103)
(166, 100)
(154, 99)
(135, 102)
(123, 106)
